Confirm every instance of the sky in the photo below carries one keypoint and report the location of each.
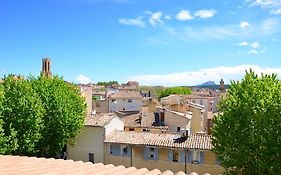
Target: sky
(167, 42)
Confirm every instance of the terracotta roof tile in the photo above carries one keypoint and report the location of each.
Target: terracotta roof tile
(12, 165)
(126, 95)
(193, 141)
(132, 120)
(99, 119)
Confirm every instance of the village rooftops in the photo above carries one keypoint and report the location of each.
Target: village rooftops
(42, 166)
(193, 141)
(186, 115)
(99, 120)
(126, 95)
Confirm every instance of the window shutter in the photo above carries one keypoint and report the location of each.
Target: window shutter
(182, 155)
(189, 156)
(116, 149)
(156, 153)
(202, 157)
(146, 152)
(129, 151)
(170, 155)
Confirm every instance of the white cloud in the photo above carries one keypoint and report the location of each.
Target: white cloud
(205, 13)
(244, 43)
(83, 79)
(255, 45)
(184, 15)
(265, 3)
(244, 25)
(155, 18)
(132, 22)
(202, 75)
(276, 11)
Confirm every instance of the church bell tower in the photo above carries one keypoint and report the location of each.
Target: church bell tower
(46, 67)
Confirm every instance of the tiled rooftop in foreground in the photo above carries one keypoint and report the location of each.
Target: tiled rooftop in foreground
(11, 165)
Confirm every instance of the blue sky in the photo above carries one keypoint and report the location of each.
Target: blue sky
(168, 42)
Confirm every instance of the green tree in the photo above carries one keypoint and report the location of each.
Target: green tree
(65, 111)
(109, 83)
(246, 133)
(39, 116)
(181, 90)
(21, 112)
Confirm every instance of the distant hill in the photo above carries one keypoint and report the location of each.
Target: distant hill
(208, 83)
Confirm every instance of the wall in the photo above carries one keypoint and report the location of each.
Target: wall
(173, 121)
(115, 123)
(87, 91)
(103, 106)
(163, 163)
(121, 104)
(90, 140)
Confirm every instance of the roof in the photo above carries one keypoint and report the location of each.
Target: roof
(194, 96)
(185, 115)
(193, 141)
(39, 166)
(132, 120)
(100, 120)
(126, 95)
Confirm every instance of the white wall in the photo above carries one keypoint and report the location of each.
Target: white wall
(115, 123)
(121, 104)
(89, 141)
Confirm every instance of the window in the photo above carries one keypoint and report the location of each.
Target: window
(196, 157)
(124, 150)
(97, 104)
(178, 129)
(175, 156)
(91, 157)
(130, 100)
(151, 153)
(201, 102)
(131, 129)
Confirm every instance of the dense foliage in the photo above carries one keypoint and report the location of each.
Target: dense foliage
(175, 90)
(38, 116)
(109, 83)
(246, 133)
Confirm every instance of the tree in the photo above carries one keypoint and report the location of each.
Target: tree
(39, 116)
(110, 83)
(21, 112)
(65, 111)
(246, 133)
(174, 90)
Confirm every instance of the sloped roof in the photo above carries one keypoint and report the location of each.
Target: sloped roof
(100, 120)
(132, 120)
(39, 166)
(193, 141)
(126, 95)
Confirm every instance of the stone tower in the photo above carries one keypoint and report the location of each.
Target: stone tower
(46, 67)
(222, 89)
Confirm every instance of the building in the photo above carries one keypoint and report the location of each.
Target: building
(89, 145)
(165, 151)
(46, 67)
(39, 166)
(87, 93)
(125, 101)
